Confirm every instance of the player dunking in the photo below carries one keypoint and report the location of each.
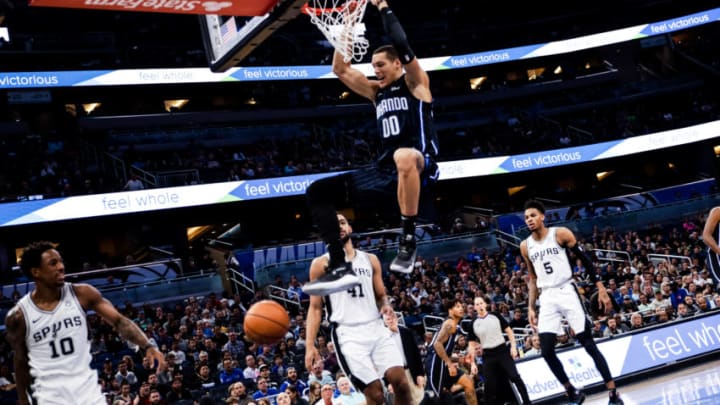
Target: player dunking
(546, 254)
(48, 332)
(365, 351)
(403, 104)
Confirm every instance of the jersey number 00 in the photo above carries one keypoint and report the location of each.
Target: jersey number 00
(390, 126)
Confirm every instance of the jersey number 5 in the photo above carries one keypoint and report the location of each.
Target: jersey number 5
(548, 268)
(390, 126)
(66, 347)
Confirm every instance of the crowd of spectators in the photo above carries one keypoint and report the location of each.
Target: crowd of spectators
(202, 336)
(210, 358)
(58, 165)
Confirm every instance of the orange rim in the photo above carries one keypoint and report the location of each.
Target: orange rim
(320, 11)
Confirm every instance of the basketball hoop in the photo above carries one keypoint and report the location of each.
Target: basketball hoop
(340, 21)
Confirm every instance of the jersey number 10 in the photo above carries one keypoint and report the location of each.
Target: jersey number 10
(66, 347)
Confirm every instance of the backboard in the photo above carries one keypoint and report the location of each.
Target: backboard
(229, 39)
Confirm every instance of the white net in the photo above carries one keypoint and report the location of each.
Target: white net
(340, 21)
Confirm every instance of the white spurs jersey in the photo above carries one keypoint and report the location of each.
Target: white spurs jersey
(550, 260)
(59, 352)
(356, 305)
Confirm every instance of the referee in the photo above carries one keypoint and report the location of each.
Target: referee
(497, 359)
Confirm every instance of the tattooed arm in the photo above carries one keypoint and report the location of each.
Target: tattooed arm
(16, 329)
(90, 298)
(446, 331)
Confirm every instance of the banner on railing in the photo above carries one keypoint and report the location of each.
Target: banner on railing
(630, 202)
(87, 206)
(126, 77)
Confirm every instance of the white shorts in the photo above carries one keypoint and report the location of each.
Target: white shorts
(365, 351)
(70, 390)
(557, 303)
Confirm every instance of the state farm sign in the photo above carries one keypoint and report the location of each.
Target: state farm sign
(227, 8)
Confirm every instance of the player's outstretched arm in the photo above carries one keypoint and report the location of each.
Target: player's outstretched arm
(16, 329)
(90, 298)
(566, 238)
(353, 78)
(415, 76)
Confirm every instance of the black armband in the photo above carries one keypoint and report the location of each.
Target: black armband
(587, 263)
(397, 35)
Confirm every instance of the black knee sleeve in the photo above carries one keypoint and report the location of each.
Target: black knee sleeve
(319, 197)
(547, 342)
(320, 192)
(587, 341)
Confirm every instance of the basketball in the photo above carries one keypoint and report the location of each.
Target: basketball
(266, 322)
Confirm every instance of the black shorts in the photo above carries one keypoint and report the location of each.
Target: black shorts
(430, 172)
(439, 377)
(713, 265)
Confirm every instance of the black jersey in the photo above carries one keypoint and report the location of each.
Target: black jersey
(449, 345)
(404, 121)
(713, 259)
(438, 375)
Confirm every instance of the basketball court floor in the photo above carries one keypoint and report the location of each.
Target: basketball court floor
(697, 384)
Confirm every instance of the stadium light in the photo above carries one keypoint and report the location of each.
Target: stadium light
(604, 175)
(514, 190)
(476, 82)
(90, 107)
(175, 105)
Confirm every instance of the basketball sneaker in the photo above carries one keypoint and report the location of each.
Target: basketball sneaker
(576, 397)
(615, 399)
(407, 252)
(336, 278)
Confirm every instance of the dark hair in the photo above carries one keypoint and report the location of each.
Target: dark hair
(32, 256)
(390, 50)
(454, 302)
(538, 205)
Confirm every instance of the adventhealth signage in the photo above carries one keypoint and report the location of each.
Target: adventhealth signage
(626, 354)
